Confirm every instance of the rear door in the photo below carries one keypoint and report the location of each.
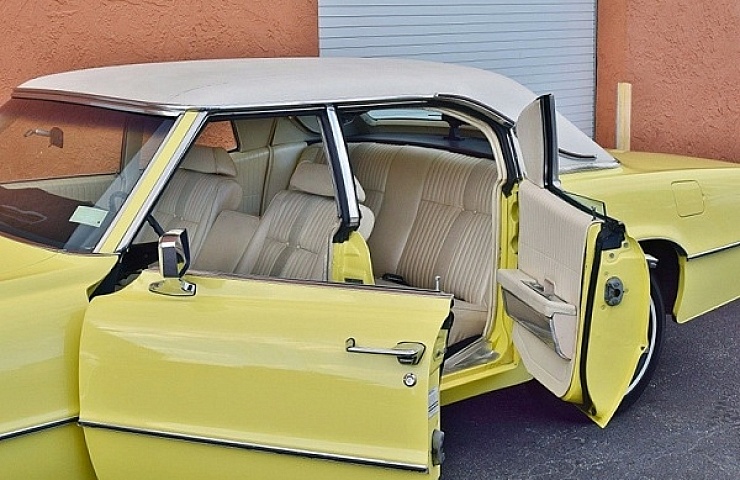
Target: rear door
(263, 378)
(580, 293)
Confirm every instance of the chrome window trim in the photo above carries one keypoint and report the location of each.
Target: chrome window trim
(399, 289)
(158, 186)
(174, 110)
(479, 107)
(298, 452)
(337, 139)
(133, 106)
(37, 428)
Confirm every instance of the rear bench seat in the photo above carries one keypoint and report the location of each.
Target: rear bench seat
(433, 217)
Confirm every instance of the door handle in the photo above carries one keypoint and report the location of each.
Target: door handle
(407, 353)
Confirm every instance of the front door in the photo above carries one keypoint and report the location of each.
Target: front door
(263, 378)
(580, 293)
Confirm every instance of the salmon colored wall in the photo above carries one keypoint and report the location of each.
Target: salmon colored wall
(45, 36)
(683, 60)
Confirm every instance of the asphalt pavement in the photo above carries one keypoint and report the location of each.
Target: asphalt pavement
(685, 426)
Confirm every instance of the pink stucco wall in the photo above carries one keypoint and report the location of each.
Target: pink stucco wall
(40, 37)
(683, 60)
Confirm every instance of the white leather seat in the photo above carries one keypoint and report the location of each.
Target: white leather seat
(434, 216)
(292, 239)
(202, 187)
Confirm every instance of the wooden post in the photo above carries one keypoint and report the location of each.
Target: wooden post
(624, 115)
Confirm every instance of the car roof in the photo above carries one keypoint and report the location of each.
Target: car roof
(254, 83)
(268, 82)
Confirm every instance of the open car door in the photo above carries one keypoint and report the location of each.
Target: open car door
(580, 293)
(214, 376)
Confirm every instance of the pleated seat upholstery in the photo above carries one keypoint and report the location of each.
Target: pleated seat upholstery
(433, 217)
(294, 235)
(201, 188)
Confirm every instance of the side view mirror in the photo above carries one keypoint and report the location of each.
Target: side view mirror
(174, 261)
(174, 253)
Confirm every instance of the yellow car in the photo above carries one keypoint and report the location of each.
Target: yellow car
(283, 268)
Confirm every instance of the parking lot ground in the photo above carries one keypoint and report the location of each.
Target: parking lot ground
(685, 426)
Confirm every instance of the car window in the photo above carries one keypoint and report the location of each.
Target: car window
(403, 114)
(425, 127)
(218, 134)
(266, 209)
(67, 169)
(596, 206)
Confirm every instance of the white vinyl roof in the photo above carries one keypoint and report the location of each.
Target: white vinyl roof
(263, 82)
(281, 82)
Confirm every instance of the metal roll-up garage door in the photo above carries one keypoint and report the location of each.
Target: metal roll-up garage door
(547, 45)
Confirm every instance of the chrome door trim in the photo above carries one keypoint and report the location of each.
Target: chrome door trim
(713, 251)
(37, 428)
(373, 462)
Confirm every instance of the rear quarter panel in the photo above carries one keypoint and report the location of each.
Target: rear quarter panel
(691, 203)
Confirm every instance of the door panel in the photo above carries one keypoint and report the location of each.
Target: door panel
(254, 378)
(580, 295)
(552, 242)
(612, 337)
(564, 256)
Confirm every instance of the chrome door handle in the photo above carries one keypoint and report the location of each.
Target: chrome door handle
(407, 353)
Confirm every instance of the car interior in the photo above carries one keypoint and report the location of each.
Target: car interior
(257, 198)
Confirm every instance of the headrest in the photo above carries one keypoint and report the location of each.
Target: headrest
(214, 160)
(315, 178)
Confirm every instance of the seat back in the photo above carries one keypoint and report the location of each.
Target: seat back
(294, 236)
(452, 235)
(434, 214)
(201, 188)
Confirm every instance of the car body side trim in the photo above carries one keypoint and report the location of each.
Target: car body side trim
(373, 462)
(37, 428)
(713, 251)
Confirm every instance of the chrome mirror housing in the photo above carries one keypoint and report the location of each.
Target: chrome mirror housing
(174, 253)
(174, 262)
